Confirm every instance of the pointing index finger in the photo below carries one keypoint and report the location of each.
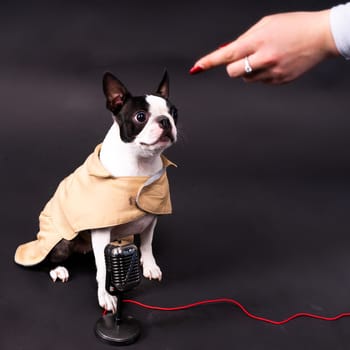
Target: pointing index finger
(224, 55)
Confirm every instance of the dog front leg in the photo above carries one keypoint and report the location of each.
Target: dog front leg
(99, 239)
(150, 268)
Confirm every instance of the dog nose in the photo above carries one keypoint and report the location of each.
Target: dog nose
(164, 123)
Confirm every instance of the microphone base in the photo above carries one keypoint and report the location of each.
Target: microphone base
(117, 333)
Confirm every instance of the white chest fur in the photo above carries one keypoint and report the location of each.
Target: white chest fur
(134, 227)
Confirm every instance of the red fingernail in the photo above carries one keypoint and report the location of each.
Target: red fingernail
(196, 70)
(223, 45)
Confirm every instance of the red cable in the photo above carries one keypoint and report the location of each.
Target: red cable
(245, 311)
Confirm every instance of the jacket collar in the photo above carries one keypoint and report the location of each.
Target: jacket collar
(95, 167)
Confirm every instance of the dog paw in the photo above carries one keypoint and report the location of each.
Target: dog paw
(59, 272)
(151, 270)
(107, 301)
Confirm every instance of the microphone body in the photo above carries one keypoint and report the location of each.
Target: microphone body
(122, 274)
(122, 268)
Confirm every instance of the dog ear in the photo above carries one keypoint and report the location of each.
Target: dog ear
(163, 88)
(115, 92)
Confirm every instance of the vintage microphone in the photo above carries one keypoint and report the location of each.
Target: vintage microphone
(122, 274)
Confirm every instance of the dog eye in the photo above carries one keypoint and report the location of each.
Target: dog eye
(140, 117)
(173, 112)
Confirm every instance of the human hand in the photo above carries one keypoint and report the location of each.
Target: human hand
(279, 47)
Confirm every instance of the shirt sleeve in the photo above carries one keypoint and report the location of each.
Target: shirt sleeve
(340, 27)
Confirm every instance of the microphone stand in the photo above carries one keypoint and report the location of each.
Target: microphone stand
(117, 330)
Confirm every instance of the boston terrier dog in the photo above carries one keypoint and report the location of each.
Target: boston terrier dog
(143, 127)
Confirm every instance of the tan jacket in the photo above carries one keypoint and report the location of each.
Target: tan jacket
(91, 198)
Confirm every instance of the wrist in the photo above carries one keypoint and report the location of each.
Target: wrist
(327, 40)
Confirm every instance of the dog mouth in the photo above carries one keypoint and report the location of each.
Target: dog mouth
(163, 139)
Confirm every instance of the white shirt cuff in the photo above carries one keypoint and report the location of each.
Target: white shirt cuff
(340, 27)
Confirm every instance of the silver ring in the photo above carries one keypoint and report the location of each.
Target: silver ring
(247, 67)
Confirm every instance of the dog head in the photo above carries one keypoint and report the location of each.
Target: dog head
(148, 122)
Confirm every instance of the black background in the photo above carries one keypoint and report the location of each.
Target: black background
(261, 196)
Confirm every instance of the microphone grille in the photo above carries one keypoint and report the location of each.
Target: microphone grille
(122, 268)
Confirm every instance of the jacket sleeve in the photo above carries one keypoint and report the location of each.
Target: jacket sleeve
(340, 27)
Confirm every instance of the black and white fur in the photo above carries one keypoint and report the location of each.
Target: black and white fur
(143, 127)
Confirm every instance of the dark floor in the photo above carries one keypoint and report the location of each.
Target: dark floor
(261, 196)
